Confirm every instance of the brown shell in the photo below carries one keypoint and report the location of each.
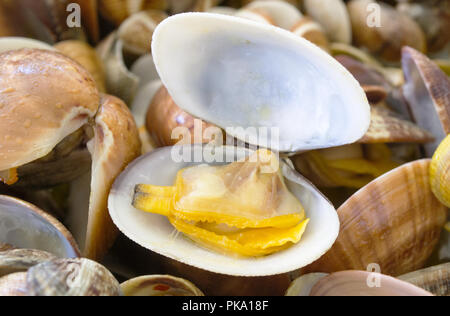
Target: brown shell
(89, 8)
(164, 116)
(385, 127)
(396, 30)
(71, 277)
(115, 145)
(44, 97)
(312, 31)
(87, 57)
(117, 11)
(427, 91)
(434, 279)
(159, 285)
(375, 94)
(395, 222)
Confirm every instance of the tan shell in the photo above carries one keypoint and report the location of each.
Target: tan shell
(434, 279)
(117, 11)
(14, 284)
(312, 31)
(396, 30)
(279, 13)
(159, 285)
(87, 57)
(255, 15)
(115, 145)
(395, 222)
(31, 228)
(32, 126)
(385, 127)
(333, 16)
(20, 260)
(71, 277)
(362, 283)
(427, 91)
(136, 32)
(164, 116)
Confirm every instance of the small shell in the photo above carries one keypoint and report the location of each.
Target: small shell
(159, 285)
(255, 15)
(282, 14)
(386, 41)
(427, 91)
(435, 279)
(303, 285)
(332, 15)
(312, 31)
(87, 57)
(164, 116)
(20, 260)
(386, 127)
(31, 228)
(118, 11)
(136, 31)
(395, 222)
(71, 277)
(14, 285)
(362, 283)
(440, 172)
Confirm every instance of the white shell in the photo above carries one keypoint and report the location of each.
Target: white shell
(13, 43)
(284, 14)
(238, 73)
(334, 18)
(155, 232)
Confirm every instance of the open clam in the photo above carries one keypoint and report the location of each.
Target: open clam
(25, 226)
(49, 132)
(159, 285)
(377, 221)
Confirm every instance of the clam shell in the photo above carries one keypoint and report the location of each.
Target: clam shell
(144, 68)
(357, 283)
(427, 91)
(159, 285)
(282, 14)
(136, 31)
(439, 172)
(396, 30)
(13, 43)
(117, 11)
(155, 232)
(25, 226)
(87, 57)
(255, 15)
(71, 277)
(303, 285)
(311, 31)
(395, 222)
(188, 67)
(334, 18)
(14, 284)
(434, 279)
(20, 260)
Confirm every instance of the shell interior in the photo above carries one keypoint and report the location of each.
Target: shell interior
(154, 232)
(24, 228)
(244, 77)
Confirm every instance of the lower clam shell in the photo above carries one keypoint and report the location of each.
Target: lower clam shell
(394, 222)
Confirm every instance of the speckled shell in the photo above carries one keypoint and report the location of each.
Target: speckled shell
(159, 285)
(71, 277)
(395, 222)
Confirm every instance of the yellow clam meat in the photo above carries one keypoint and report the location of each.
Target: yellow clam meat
(242, 208)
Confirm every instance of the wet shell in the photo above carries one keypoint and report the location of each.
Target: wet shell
(396, 30)
(136, 32)
(362, 283)
(20, 260)
(159, 285)
(311, 31)
(71, 277)
(395, 222)
(333, 17)
(434, 279)
(87, 57)
(427, 91)
(164, 117)
(30, 228)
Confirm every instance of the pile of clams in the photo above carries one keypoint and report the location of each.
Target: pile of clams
(224, 147)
